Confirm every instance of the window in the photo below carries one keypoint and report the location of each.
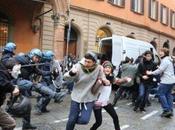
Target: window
(172, 15)
(137, 6)
(120, 3)
(164, 15)
(153, 9)
(3, 30)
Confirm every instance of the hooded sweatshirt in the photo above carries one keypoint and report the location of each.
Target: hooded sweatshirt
(84, 82)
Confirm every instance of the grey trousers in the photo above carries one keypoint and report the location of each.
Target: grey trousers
(6, 121)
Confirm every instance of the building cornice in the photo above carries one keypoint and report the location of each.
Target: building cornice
(122, 20)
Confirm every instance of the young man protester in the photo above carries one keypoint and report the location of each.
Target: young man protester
(167, 81)
(85, 76)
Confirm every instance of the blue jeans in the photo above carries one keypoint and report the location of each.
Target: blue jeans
(27, 86)
(165, 96)
(43, 99)
(143, 95)
(79, 114)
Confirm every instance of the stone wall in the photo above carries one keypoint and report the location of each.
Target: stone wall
(48, 29)
(88, 23)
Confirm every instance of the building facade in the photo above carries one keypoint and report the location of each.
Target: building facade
(33, 24)
(149, 20)
(75, 26)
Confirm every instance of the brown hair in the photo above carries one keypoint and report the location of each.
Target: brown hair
(166, 51)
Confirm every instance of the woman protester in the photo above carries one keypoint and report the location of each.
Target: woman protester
(102, 101)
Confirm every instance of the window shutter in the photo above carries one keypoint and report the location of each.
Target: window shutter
(133, 5)
(157, 10)
(149, 9)
(123, 3)
(142, 6)
(167, 16)
(161, 13)
(171, 18)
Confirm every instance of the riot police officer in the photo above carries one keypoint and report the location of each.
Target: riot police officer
(29, 62)
(8, 52)
(52, 80)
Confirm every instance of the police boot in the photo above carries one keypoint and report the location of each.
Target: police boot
(26, 124)
(59, 96)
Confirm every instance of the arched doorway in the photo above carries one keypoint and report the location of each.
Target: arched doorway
(72, 44)
(166, 44)
(102, 33)
(4, 30)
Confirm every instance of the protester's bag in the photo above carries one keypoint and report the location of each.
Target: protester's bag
(95, 88)
(105, 93)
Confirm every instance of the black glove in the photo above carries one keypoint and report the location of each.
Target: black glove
(72, 73)
(55, 73)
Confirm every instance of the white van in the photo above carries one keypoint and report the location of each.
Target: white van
(116, 48)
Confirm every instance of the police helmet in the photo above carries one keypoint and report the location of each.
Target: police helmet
(10, 46)
(48, 55)
(35, 52)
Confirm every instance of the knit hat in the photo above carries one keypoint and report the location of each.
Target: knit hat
(91, 55)
(107, 63)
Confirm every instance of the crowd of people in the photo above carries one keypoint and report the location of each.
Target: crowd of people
(89, 82)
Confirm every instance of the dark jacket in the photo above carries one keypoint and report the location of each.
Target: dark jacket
(5, 56)
(143, 67)
(5, 83)
(128, 70)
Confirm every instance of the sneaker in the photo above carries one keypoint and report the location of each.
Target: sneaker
(172, 114)
(142, 110)
(166, 114)
(37, 111)
(45, 110)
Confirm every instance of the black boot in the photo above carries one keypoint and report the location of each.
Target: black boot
(28, 126)
(26, 123)
(59, 96)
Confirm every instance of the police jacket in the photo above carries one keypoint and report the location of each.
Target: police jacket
(5, 83)
(27, 71)
(5, 56)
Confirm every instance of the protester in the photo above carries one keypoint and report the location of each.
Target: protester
(102, 101)
(85, 75)
(167, 80)
(126, 69)
(146, 82)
